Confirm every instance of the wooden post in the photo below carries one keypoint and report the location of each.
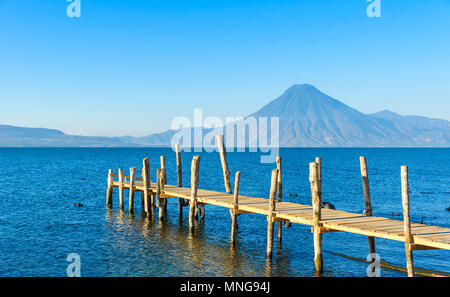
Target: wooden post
(367, 203)
(194, 187)
(132, 181)
(223, 160)
(179, 179)
(319, 172)
(270, 221)
(121, 188)
(235, 207)
(406, 221)
(280, 197)
(163, 166)
(109, 190)
(202, 211)
(146, 183)
(164, 180)
(158, 187)
(316, 201)
(163, 201)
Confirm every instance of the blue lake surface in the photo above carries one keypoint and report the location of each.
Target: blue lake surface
(40, 226)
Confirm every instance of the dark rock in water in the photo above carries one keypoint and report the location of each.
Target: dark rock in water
(327, 205)
(78, 204)
(83, 178)
(447, 209)
(395, 214)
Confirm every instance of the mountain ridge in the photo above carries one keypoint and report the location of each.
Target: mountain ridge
(307, 118)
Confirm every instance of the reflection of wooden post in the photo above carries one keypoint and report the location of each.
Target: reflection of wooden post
(316, 201)
(121, 188)
(109, 190)
(280, 197)
(132, 181)
(367, 203)
(179, 179)
(270, 221)
(223, 160)
(194, 187)
(163, 201)
(146, 183)
(235, 207)
(406, 221)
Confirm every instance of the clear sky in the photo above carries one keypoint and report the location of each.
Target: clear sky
(129, 67)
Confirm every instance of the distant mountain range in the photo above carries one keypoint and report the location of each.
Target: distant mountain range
(308, 118)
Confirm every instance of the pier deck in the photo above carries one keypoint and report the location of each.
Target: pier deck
(332, 220)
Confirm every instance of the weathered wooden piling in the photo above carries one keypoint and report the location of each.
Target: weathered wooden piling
(233, 211)
(164, 179)
(406, 222)
(316, 201)
(280, 198)
(158, 187)
(109, 190)
(121, 188)
(179, 179)
(163, 166)
(367, 202)
(223, 160)
(146, 182)
(163, 201)
(194, 188)
(132, 182)
(270, 218)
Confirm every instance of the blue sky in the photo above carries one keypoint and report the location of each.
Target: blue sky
(130, 67)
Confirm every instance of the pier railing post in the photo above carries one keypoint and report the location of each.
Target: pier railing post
(146, 183)
(179, 179)
(406, 221)
(158, 187)
(162, 201)
(235, 207)
(164, 179)
(194, 188)
(109, 190)
(121, 188)
(132, 181)
(280, 198)
(316, 201)
(367, 202)
(270, 221)
(223, 160)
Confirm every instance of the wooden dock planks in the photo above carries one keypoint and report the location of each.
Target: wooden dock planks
(432, 236)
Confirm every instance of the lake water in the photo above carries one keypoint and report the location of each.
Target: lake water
(40, 226)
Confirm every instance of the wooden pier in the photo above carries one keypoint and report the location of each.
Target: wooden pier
(415, 236)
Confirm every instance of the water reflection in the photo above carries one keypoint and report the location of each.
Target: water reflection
(178, 252)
